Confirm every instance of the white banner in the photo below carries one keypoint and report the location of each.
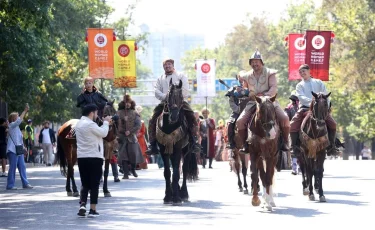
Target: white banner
(206, 77)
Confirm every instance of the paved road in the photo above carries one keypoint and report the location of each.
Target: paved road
(215, 202)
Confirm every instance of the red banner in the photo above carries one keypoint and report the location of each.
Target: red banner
(318, 46)
(100, 53)
(297, 53)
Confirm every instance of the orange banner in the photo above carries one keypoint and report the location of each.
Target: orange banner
(100, 53)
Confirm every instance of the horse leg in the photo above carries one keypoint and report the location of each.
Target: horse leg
(319, 175)
(302, 165)
(270, 171)
(310, 174)
(237, 166)
(244, 172)
(254, 180)
(167, 176)
(176, 160)
(74, 161)
(105, 186)
(67, 186)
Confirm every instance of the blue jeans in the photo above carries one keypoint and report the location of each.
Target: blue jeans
(16, 162)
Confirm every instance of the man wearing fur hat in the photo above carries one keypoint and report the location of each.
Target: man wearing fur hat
(260, 81)
(161, 91)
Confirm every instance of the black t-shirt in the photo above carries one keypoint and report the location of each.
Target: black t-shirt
(3, 136)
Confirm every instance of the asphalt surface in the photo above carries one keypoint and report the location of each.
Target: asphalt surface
(215, 202)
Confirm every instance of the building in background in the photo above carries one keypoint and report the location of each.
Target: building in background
(167, 44)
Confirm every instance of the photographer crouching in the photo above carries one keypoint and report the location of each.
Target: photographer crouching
(90, 156)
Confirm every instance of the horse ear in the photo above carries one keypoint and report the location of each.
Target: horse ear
(180, 85)
(273, 98)
(314, 94)
(259, 100)
(170, 82)
(326, 96)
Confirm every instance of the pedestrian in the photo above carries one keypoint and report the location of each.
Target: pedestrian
(48, 141)
(129, 124)
(15, 151)
(3, 145)
(142, 140)
(29, 140)
(90, 156)
(206, 130)
(366, 153)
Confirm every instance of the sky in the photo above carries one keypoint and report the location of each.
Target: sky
(212, 18)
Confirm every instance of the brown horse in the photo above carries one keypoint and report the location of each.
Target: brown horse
(67, 154)
(263, 145)
(314, 140)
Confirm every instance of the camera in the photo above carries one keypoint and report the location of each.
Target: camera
(115, 117)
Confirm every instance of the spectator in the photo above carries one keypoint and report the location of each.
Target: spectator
(15, 160)
(3, 145)
(29, 140)
(48, 140)
(366, 153)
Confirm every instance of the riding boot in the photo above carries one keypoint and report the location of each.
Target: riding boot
(295, 148)
(285, 135)
(331, 149)
(243, 139)
(152, 148)
(196, 147)
(231, 134)
(125, 168)
(133, 170)
(210, 162)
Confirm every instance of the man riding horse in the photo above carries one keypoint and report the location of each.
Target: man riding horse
(261, 81)
(161, 90)
(304, 91)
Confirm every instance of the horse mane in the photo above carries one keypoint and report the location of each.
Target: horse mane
(175, 97)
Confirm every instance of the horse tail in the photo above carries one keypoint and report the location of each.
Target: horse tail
(191, 165)
(60, 155)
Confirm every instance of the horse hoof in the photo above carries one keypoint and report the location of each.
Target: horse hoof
(241, 189)
(177, 203)
(306, 192)
(185, 200)
(76, 194)
(322, 199)
(272, 203)
(246, 192)
(312, 198)
(255, 201)
(107, 194)
(69, 193)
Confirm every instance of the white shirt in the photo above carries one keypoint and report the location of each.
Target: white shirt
(162, 85)
(46, 137)
(366, 153)
(14, 136)
(304, 88)
(90, 138)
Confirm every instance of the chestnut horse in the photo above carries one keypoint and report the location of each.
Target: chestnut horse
(67, 155)
(263, 140)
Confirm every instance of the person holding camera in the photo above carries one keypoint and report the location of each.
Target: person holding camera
(16, 150)
(90, 156)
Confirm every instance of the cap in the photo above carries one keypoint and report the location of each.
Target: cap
(29, 121)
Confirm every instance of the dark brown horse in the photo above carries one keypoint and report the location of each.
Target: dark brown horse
(67, 155)
(314, 141)
(263, 145)
(173, 141)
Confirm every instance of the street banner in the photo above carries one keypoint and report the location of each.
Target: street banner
(297, 53)
(125, 64)
(100, 43)
(318, 46)
(206, 77)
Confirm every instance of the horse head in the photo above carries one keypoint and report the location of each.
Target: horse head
(319, 106)
(174, 101)
(266, 115)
